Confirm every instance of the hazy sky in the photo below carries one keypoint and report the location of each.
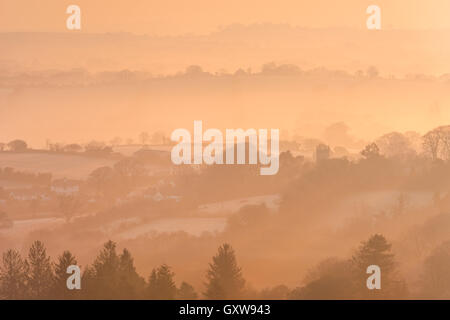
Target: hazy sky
(203, 16)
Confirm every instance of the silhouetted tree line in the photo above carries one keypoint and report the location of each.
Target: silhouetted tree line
(113, 275)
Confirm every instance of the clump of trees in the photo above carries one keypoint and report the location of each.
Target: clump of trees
(18, 146)
(112, 275)
(30, 278)
(336, 278)
(395, 144)
(118, 180)
(14, 146)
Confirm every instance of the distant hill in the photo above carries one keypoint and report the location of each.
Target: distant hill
(236, 46)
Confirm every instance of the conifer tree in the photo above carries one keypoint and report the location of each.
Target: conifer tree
(161, 285)
(224, 277)
(186, 292)
(13, 276)
(40, 276)
(131, 284)
(377, 251)
(101, 279)
(59, 290)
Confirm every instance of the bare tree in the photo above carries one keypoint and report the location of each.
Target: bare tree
(431, 141)
(444, 133)
(371, 151)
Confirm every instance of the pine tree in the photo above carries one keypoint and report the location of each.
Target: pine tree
(40, 277)
(59, 290)
(331, 279)
(377, 251)
(88, 281)
(161, 285)
(101, 280)
(113, 276)
(186, 292)
(13, 276)
(224, 277)
(435, 278)
(131, 284)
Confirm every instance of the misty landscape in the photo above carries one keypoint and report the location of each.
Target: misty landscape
(86, 175)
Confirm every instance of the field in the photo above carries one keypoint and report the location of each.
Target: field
(60, 165)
